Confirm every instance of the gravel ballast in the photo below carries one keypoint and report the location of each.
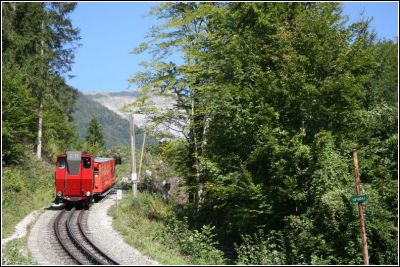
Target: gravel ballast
(100, 226)
(42, 242)
(46, 250)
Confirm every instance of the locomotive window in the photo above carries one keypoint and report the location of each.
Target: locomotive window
(61, 163)
(86, 163)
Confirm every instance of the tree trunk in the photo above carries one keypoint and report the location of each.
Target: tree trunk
(40, 112)
(205, 130)
(203, 152)
(196, 155)
(39, 138)
(141, 156)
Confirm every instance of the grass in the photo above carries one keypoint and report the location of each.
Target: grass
(138, 222)
(151, 225)
(25, 188)
(16, 252)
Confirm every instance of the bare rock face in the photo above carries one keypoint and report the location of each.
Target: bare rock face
(115, 101)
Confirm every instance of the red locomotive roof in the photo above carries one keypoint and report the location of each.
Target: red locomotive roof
(101, 160)
(84, 154)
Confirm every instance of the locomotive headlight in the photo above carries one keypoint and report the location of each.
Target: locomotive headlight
(87, 193)
(59, 193)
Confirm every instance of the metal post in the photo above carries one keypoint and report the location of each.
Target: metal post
(133, 161)
(360, 210)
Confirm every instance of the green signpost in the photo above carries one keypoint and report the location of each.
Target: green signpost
(357, 199)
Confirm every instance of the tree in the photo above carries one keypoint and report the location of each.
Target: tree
(277, 94)
(183, 82)
(37, 49)
(18, 118)
(40, 40)
(94, 134)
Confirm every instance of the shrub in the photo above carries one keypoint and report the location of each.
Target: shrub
(198, 245)
(12, 180)
(258, 249)
(25, 187)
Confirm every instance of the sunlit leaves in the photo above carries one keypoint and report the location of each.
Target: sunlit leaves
(287, 90)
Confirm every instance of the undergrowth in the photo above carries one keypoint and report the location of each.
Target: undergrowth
(25, 188)
(151, 226)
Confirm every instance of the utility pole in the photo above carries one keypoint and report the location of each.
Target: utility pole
(360, 210)
(133, 161)
(141, 156)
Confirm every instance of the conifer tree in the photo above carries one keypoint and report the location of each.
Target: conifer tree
(95, 135)
(38, 41)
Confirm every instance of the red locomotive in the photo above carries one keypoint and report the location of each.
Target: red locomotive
(80, 177)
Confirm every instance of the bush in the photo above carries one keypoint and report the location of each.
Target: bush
(198, 245)
(12, 180)
(257, 249)
(16, 252)
(25, 187)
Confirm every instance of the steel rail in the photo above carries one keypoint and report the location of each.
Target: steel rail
(58, 235)
(108, 258)
(80, 246)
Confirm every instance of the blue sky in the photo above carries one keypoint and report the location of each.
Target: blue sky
(110, 31)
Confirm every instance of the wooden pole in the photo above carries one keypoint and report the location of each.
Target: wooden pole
(360, 210)
(141, 157)
(133, 160)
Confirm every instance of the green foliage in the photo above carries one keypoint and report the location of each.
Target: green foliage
(17, 116)
(12, 181)
(95, 134)
(151, 226)
(378, 139)
(176, 153)
(381, 221)
(385, 82)
(115, 129)
(17, 252)
(58, 135)
(277, 95)
(37, 48)
(198, 245)
(256, 249)
(25, 187)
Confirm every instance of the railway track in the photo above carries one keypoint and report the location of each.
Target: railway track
(71, 232)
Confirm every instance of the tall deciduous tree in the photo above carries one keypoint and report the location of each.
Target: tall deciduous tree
(186, 31)
(278, 94)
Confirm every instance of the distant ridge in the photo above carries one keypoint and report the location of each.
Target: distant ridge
(122, 93)
(115, 101)
(115, 128)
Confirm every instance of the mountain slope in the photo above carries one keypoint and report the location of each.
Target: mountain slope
(114, 101)
(115, 129)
